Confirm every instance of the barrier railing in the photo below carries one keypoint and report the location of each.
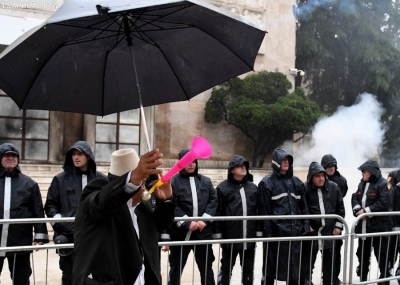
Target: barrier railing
(348, 237)
(354, 236)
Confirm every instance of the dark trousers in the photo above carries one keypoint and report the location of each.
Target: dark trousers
(204, 257)
(22, 268)
(66, 268)
(267, 261)
(394, 247)
(338, 258)
(228, 260)
(380, 247)
(328, 269)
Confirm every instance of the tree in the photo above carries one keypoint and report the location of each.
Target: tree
(390, 152)
(347, 53)
(262, 108)
(348, 47)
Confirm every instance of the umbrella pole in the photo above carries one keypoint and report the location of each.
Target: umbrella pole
(146, 134)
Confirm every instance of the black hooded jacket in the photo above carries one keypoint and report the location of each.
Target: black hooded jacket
(66, 188)
(325, 200)
(328, 160)
(283, 195)
(394, 180)
(25, 202)
(207, 202)
(237, 198)
(378, 197)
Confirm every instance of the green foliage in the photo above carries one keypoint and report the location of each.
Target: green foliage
(349, 47)
(346, 53)
(262, 108)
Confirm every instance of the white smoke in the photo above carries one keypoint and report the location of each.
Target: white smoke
(352, 135)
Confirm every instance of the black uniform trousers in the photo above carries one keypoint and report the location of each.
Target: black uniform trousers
(328, 268)
(228, 261)
(66, 268)
(394, 249)
(338, 258)
(204, 257)
(380, 247)
(22, 268)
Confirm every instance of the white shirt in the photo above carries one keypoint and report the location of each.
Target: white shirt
(140, 279)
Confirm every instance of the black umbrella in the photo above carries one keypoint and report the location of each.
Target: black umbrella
(102, 57)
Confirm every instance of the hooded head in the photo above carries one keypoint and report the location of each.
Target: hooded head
(182, 154)
(328, 160)
(9, 148)
(277, 157)
(83, 147)
(372, 167)
(123, 161)
(313, 169)
(236, 161)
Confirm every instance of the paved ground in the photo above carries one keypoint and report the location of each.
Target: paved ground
(47, 272)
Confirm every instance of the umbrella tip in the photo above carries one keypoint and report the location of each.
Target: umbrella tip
(102, 10)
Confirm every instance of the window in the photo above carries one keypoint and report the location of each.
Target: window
(116, 131)
(28, 130)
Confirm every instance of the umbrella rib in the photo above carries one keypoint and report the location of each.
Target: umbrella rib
(89, 40)
(106, 28)
(189, 5)
(151, 21)
(38, 73)
(169, 64)
(117, 41)
(251, 68)
(82, 27)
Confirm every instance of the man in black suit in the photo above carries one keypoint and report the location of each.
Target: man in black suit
(116, 234)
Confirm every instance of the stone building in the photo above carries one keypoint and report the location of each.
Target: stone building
(45, 136)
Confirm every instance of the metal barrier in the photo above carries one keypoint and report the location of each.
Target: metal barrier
(190, 276)
(380, 235)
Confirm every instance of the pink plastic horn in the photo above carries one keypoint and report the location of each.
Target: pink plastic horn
(201, 148)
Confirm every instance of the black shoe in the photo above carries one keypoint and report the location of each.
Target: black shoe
(338, 282)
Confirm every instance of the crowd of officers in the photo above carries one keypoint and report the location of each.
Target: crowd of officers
(278, 193)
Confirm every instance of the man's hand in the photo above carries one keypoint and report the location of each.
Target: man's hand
(164, 192)
(361, 212)
(337, 231)
(201, 225)
(37, 243)
(147, 166)
(193, 226)
(165, 248)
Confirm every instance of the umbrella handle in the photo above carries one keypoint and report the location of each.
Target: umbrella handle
(146, 134)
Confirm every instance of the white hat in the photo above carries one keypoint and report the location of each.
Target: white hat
(123, 161)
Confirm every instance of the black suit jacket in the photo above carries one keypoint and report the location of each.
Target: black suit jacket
(107, 249)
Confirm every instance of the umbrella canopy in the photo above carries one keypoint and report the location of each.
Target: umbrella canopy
(85, 57)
